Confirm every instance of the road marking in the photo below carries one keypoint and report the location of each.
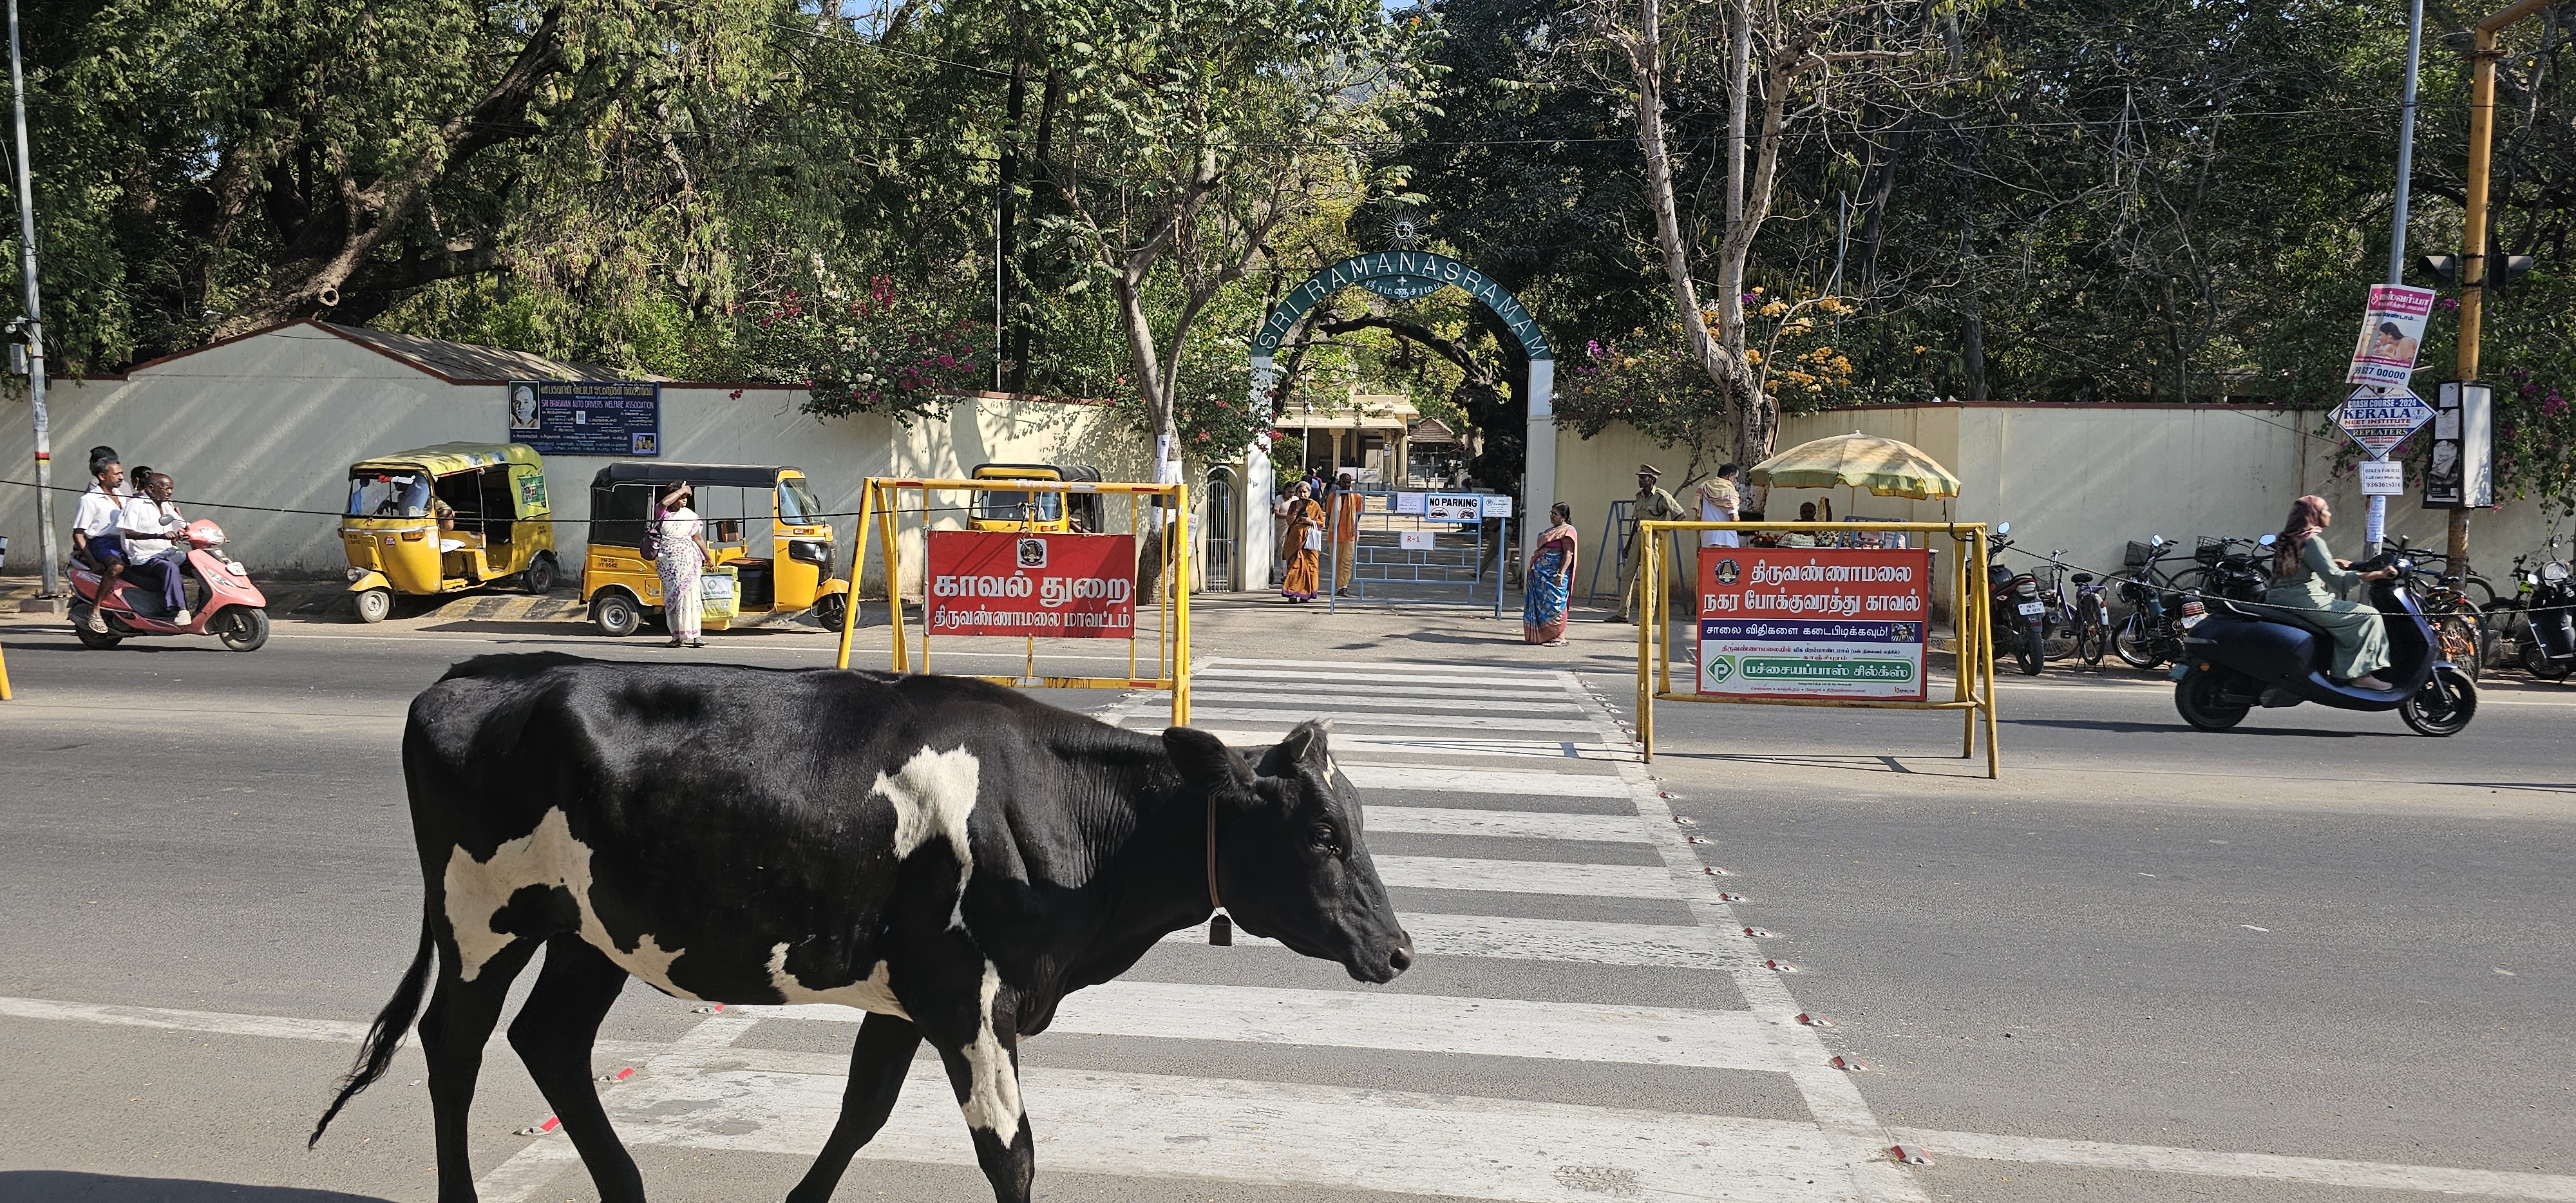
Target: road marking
(1354, 686)
(1399, 697)
(2375, 1175)
(545, 1158)
(1633, 944)
(272, 1026)
(1355, 748)
(1412, 1023)
(1526, 877)
(1446, 722)
(1154, 1126)
(1483, 781)
(1372, 679)
(1504, 824)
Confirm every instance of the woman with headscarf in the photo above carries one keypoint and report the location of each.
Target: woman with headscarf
(2307, 578)
(1544, 603)
(680, 557)
(1301, 545)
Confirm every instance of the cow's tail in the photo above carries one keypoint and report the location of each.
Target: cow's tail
(392, 1024)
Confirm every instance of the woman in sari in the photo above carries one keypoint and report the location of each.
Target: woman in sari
(1305, 528)
(1550, 579)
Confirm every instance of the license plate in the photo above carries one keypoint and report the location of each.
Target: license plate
(2179, 671)
(2029, 608)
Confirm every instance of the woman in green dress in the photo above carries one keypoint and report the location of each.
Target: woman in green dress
(2306, 577)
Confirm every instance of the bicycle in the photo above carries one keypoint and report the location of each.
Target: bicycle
(2152, 633)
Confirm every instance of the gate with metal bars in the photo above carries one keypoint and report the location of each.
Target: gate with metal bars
(1416, 548)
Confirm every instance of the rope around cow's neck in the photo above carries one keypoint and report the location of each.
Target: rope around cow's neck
(1214, 902)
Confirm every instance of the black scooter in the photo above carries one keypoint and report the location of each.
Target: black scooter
(2239, 655)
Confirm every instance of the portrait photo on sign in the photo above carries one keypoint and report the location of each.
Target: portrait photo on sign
(647, 443)
(523, 407)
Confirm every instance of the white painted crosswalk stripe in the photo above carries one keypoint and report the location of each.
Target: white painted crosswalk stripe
(1445, 722)
(1526, 877)
(1484, 781)
(1357, 747)
(1338, 703)
(1516, 939)
(1374, 679)
(1157, 1126)
(1411, 1023)
(1507, 824)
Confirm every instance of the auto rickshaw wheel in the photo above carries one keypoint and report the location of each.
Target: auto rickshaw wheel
(615, 614)
(375, 605)
(831, 609)
(540, 575)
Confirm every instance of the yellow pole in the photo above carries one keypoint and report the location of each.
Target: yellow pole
(925, 578)
(892, 550)
(1181, 613)
(1962, 651)
(4, 678)
(1132, 637)
(2473, 218)
(858, 568)
(1645, 646)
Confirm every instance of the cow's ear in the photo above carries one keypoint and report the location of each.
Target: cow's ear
(1204, 760)
(1304, 745)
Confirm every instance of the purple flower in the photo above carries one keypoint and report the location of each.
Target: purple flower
(2450, 304)
(948, 361)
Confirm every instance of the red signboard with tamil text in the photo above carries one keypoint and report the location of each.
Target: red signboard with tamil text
(1059, 586)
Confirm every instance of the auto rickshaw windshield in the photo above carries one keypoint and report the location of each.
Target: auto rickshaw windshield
(1012, 505)
(389, 494)
(796, 502)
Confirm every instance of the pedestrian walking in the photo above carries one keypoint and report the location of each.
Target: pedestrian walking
(1302, 547)
(1650, 505)
(1720, 502)
(680, 555)
(1545, 596)
(1346, 534)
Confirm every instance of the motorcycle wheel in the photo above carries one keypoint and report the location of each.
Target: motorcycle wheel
(2200, 698)
(2443, 705)
(2092, 633)
(2033, 650)
(247, 630)
(2135, 645)
(2538, 663)
(90, 638)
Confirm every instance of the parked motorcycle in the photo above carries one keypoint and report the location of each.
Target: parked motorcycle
(2547, 644)
(222, 600)
(2152, 632)
(2021, 619)
(2241, 655)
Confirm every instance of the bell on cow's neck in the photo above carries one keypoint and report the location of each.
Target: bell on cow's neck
(1221, 931)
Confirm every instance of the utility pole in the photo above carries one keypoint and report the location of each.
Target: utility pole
(2378, 522)
(35, 326)
(2473, 254)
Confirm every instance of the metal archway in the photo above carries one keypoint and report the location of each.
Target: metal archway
(1409, 274)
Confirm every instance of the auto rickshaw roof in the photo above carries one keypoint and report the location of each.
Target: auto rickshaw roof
(445, 458)
(1072, 472)
(736, 476)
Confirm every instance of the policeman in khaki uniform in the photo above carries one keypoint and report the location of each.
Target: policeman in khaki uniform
(1652, 505)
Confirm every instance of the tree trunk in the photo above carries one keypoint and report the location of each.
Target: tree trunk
(1012, 375)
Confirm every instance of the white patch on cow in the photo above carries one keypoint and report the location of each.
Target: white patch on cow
(876, 993)
(932, 796)
(992, 1085)
(548, 857)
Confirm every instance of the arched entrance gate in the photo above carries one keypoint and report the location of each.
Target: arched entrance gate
(1405, 275)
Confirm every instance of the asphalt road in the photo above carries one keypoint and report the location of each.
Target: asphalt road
(2317, 958)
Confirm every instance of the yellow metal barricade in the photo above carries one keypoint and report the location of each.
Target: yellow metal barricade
(883, 504)
(1971, 604)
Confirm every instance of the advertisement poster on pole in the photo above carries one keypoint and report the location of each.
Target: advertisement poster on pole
(1813, 623)
(2378, 420)
(2391, 332)
(1054, 586)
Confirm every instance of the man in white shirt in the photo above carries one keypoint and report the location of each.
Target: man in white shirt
(151, 557)
(95, 522)
(1719, 502)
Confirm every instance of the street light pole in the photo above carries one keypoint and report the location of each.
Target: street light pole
(2378, 519)
(35, 327)
(2473, 254)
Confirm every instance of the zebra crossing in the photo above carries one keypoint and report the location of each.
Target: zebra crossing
(1532, 859)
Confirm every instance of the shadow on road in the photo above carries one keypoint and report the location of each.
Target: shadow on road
(65, 1186)
(2117, 727)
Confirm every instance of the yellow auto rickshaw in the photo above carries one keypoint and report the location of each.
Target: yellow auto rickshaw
(1029, 510)
(787, 568)
(446, 519)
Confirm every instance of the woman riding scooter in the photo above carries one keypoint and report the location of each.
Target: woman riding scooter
(2308, 578)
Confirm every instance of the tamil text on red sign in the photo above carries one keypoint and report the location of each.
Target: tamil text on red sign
(1794, 622)
(1052, 585)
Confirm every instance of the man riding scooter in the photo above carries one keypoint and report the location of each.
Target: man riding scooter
(95, 534)
(151, 558)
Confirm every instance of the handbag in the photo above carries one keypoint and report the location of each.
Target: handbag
(1314, 538)
(650, 546)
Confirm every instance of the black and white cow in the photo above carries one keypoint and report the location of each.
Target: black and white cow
(951, 856)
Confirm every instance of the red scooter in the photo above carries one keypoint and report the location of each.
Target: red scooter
(224, 603)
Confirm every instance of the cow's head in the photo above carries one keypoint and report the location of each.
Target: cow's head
(1289, 861)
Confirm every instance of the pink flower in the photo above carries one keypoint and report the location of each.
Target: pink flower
(948, 361)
